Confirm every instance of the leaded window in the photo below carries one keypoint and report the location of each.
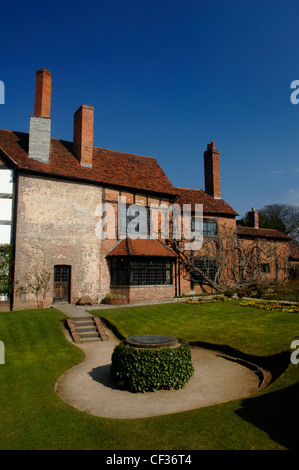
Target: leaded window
(207, 266)
(208, 226)
(141, 271)
(151, 271)
(119, 271)
(265, 268)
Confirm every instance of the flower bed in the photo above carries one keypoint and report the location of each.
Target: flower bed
(271, 306)
(115, 299)
(206, 301)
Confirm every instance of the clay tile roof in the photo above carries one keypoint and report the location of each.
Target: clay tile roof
(262, 233)
(141, 247)
(210, 205)
(109, 166)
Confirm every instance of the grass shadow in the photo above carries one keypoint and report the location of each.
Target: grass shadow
(275, 364)
(276, 413)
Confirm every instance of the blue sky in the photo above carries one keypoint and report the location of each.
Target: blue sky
(166, 78)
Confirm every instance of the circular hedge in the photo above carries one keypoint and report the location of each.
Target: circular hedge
(147, 370)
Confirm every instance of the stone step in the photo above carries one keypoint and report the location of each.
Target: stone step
(89, 336)
(82, 324)
(81, 320)
(89, 340)
(93, 334)
(86, 329)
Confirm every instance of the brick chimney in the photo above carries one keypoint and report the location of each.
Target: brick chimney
(83, 134)
(43, 85)
(253, 218)
(212, 171)
(40, 122)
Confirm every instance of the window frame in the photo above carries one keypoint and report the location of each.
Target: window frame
(210, 265)
(141, 271)
(122, 231)
(205, 222)
(265, 268)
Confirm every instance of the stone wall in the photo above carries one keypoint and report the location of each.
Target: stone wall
(40, 138)
(56, 226)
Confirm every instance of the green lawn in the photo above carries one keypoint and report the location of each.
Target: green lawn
(32, 416)
(247, 329)
(289, 296)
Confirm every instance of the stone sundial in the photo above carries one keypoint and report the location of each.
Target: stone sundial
(152, 341)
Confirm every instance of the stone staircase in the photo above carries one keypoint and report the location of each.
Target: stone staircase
(86, 329)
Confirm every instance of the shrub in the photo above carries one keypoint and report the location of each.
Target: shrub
(244, 293)
(247, 292)
(260, 293)
(115, 296)
(147, 370)
(229, 293)
(6, 263)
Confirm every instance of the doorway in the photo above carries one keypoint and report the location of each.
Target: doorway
(62, 284)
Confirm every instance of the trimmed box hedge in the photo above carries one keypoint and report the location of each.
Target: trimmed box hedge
(147, 370)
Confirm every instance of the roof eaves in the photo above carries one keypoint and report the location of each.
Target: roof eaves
(252, 232)
(7, 159)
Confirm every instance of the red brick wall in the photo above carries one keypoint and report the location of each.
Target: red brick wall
(136, 294)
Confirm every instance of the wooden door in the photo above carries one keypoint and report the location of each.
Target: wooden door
(62, 284)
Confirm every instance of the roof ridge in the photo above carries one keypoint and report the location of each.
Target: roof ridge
(94, 146)
(114, 246)
(121, 152)
(110, 167)
(260, 228)
(190, 189)
(263, 230)
(129, 246)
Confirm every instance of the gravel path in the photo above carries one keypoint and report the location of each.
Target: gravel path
(88, 386)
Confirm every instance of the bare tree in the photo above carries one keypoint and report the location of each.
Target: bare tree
(226, 261)
(36, 283)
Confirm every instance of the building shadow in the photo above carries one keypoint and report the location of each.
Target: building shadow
(275, 413)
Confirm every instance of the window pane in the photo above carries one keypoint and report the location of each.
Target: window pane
(151, 271)
(144, 271)
(209, 229)
(208, 226)
(265, 268)
(119, 272)
(207, 266)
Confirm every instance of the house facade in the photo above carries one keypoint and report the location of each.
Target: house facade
(83, 214)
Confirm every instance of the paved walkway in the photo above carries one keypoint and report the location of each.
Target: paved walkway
(72, 311)
(88, 386)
